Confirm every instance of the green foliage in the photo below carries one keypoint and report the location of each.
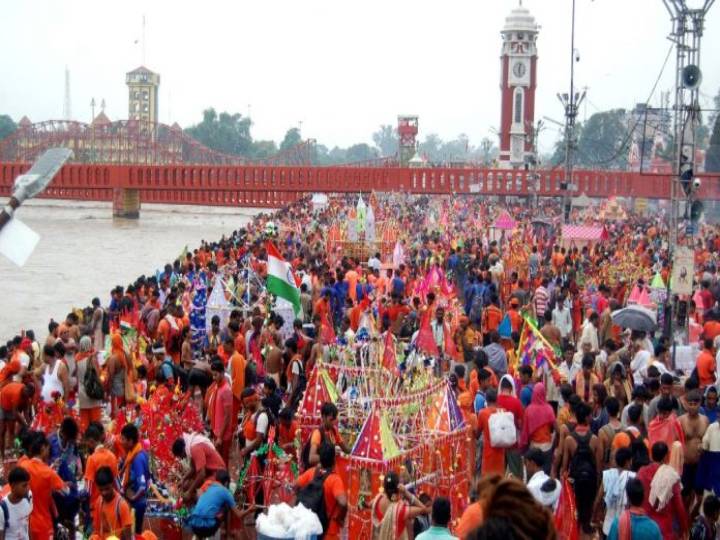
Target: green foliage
(7, 126)
(360, 152)
(292, 138)
(263, 149)
(712, 157)
(600, 140)
(227, 133)
(386, 140)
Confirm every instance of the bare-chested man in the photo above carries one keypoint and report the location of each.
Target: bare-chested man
(693, 425)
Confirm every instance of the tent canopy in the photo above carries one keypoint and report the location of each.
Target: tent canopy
(505, 222)
(319, 200)
(581, 201)
(591, 233)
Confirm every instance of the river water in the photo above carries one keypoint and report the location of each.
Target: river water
(83, 252)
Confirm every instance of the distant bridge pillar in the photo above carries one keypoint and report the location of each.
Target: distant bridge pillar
(126, 203)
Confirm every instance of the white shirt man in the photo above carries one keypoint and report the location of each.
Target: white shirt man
(374, 263)
(561, 318)
(16, 527)
(589, 335)
(639, 364)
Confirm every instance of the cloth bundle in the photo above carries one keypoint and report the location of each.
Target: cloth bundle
(285, 522)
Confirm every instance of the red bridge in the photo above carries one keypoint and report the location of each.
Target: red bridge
(130, 162)
(273, 186)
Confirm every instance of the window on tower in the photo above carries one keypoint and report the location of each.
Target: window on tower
(518, 112)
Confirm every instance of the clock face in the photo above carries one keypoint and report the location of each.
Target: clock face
(519, 69)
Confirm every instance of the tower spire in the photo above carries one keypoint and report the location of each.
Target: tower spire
(67, 111)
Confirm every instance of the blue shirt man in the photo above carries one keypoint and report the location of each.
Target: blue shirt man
(134, 474)
(215, 500)
(440, 520)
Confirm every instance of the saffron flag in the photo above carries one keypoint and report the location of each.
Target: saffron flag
(281, 281)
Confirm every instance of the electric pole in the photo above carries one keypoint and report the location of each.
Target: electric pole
(688, 25)
(571, 103)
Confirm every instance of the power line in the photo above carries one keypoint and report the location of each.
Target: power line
(621, 148)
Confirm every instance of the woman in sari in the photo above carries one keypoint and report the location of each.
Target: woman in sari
(391, 515)
(538, 426)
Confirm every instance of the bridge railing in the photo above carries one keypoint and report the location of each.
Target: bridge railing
(231, 185)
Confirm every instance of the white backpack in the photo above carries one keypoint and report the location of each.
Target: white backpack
(502, 429)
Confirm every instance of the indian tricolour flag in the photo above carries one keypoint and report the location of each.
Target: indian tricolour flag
(280, 280)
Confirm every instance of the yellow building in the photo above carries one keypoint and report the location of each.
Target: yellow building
(143, 87)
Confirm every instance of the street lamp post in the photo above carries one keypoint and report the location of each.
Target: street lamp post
(570, 102)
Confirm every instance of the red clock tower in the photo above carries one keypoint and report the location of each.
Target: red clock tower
(518, 81)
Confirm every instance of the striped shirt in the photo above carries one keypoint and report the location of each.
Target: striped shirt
(541, 301)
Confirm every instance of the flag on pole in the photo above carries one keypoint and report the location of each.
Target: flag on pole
(281, 281)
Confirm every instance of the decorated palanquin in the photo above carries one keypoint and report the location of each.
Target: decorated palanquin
(410, 424)
(358, 235)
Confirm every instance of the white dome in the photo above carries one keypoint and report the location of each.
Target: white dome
(520, 20)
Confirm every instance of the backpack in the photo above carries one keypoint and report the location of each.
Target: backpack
(6, 515)
(582, 464)
(503, 433)
(175, 369)
(305, 452)
(312, 497)
(174, 342)
(91, 382)
(105, 322)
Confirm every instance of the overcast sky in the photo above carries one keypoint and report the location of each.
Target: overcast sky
(340, 67)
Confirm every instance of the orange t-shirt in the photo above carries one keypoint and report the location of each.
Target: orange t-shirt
(542, 435)
(11, 396)
(471, 519)
(711, 329)
(333, 487)
(111, 518)
(240, 345)
(351, 276)
(706, 366)
(101, 457)
(43, 481)
(493, 318)
(237, 374)
(322, 308)
(493, 459)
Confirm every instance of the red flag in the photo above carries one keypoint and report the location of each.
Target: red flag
(425, 341)
(389, 359)
(450, 348)
(327, 334)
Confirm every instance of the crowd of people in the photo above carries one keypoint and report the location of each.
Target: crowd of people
(603, 436)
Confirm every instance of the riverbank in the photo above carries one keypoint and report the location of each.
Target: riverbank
(84, 252)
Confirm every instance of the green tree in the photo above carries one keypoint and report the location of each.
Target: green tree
(360, 152)
(600, 140)
(712, 156)
(486, 151)
(227, 133)
(292, 138)
(386, 140)
(455, 150)
(7, 126)
(263, 149)
(431, 147)
(337, 155)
